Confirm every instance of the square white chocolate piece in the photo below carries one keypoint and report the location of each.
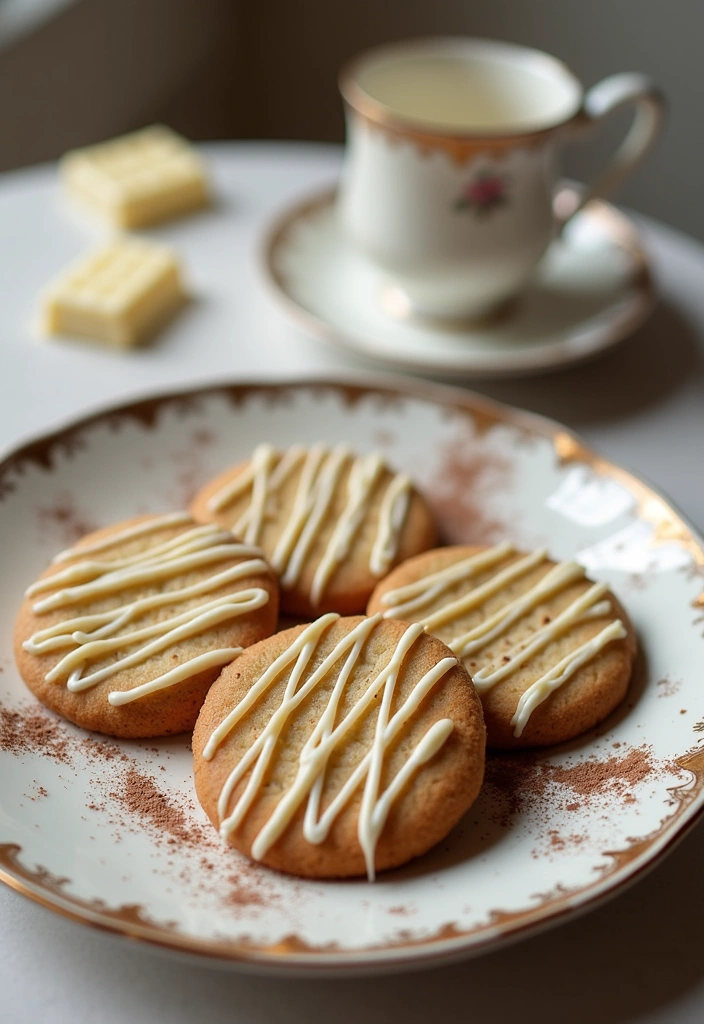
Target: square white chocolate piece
(138, 179)
(119, 294)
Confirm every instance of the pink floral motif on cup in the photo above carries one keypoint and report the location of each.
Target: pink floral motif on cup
(483, 194)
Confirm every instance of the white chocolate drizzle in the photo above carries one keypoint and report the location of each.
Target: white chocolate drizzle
(321, 470)
(415, 598)
(327, 736)
(102, 637)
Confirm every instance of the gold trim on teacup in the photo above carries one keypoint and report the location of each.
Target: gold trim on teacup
(460, 149)
(461, 145)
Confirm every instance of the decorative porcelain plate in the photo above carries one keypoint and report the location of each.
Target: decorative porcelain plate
(592, 288)
(109, 833)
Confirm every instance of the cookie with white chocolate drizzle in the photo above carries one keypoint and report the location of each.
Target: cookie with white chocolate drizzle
(340, 748)
(550, 652)
(330, 523)
(125, 632)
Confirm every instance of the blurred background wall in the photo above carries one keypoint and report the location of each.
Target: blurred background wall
(76, 71)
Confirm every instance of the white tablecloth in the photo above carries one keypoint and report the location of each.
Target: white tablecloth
(640, 957)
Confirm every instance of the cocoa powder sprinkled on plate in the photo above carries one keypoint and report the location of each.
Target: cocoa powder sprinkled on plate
(561, 842)
(124, 794)
(203, 437)
(242, 893)
(384, 438)
(65, 520)
(465, 477)
(614, 774)
(668, 687)
(521, 781)
(33, 730)
(400, 910)
(139, 795)
(100, 750)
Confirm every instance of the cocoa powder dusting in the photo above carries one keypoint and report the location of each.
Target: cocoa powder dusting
(240, 893)
(203, 437)
(139, 795)
(561, 842)
(384, 438)
(668, 687)
(520, 781)
(33, 730)
(64, 520)
(400, 910)
(100, 750)
(125, 796)
(617, 775)
(465, 478)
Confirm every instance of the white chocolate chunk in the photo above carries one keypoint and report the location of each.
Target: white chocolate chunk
(117, 294)
(138, 179)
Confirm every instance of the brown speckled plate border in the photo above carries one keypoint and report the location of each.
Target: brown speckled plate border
(291, 955)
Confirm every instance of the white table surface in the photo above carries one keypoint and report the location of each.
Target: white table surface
(640, 957)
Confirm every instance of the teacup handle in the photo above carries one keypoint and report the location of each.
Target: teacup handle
(600, 101)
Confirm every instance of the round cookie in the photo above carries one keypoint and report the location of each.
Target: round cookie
(549, 651)
(125, 632)
(289, 756)
(331, 524)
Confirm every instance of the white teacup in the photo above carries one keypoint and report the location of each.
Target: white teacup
(453, 159)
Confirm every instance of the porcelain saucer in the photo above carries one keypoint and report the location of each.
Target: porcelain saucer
(592, 288)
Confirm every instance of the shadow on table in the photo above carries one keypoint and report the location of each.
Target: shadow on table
(657, 360)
